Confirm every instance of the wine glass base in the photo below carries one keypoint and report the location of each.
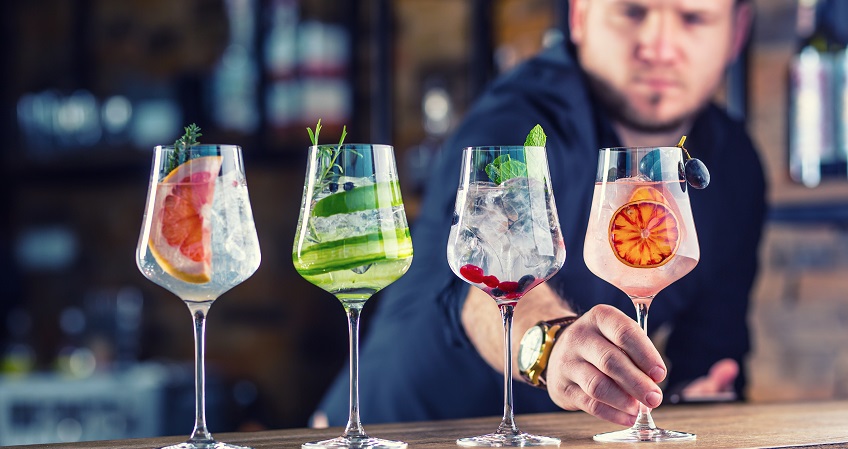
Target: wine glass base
(209, 445)
(643, 435)
(506, 440)
(365, 442)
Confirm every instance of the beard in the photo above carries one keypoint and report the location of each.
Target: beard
(619, 109)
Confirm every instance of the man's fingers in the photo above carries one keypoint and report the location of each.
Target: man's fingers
(596, 385)
(618, 348)
(576, 398)
(605, 365)
(723, 373)
(624, 332)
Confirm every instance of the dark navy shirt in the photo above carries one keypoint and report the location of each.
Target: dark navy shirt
(416, 362)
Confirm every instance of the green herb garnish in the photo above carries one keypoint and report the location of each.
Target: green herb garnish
(505, 167)
(188, 140)
(536, 137)
(327, 156)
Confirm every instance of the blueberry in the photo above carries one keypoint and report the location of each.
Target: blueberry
(697, 174)
(496, 292)
(651, 165)
(525, 280)
(333, 186)
(348, 186)
(455, 219)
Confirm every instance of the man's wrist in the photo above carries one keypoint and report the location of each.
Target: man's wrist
(534, 351)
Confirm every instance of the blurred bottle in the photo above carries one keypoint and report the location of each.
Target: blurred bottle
(837, 21)
(18, 355)
(128, 316)
(818, 147)
(113, 323)
(810, 122)
(74, 359)
(438, 115)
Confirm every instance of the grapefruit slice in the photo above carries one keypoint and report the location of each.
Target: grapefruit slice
(180, 238)
(644, 233)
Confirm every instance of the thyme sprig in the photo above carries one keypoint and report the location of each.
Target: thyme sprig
(188, 140)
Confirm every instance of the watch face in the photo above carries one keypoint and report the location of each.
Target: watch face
(530, 347)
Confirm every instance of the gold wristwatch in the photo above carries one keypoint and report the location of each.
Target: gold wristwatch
(535, 349)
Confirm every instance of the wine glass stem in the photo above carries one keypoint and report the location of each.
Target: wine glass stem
(644, 421)
(200, 434)
(354, 426)
(508, 425)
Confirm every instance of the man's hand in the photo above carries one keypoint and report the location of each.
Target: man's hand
(717, 385)
(602, 363)
(605, 365)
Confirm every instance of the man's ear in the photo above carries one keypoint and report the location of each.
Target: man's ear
(743, 17)
(576, 20)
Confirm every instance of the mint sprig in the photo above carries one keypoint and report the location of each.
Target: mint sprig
(188, 140)
(504, 167)
(536, 137)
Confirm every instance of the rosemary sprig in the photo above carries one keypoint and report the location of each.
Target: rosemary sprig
(327, 156)
(188, 140)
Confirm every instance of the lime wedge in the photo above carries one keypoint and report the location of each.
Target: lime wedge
(373, 196)
(352, 252)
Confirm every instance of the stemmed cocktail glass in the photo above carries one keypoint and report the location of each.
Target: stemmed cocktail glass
(505, 239)
(198, 240)
(352, 240)
(641, 238)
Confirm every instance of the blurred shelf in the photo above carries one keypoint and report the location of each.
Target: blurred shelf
(832, 213)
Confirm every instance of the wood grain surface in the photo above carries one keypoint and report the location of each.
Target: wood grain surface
(729, 425)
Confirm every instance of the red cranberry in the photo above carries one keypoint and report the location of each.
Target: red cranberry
(472, 272)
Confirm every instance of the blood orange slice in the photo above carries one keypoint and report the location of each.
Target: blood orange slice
(648, 193)
(644, 233)
(180, 238)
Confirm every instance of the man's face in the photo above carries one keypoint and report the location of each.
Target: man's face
(655, 63)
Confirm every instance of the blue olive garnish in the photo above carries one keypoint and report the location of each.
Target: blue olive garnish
(697, 174)
(651, 165)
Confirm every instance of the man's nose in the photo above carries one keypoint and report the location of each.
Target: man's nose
(656, 39)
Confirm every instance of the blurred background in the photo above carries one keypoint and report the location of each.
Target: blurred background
(90, 349)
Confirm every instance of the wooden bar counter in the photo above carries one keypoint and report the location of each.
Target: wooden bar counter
(729, 425)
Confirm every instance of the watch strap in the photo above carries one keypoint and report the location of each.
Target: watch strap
(560, 324)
